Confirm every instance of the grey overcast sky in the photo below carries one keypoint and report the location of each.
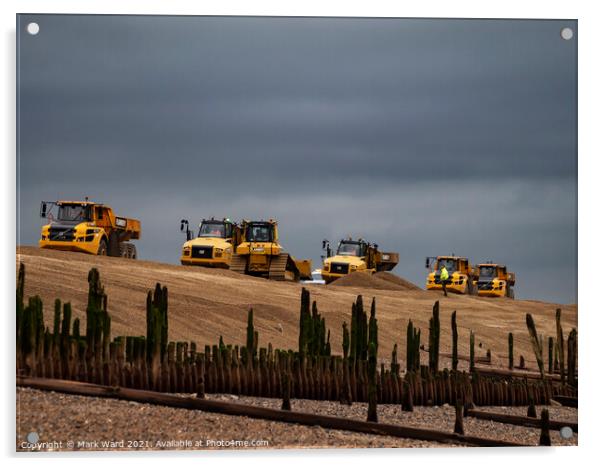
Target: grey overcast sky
(425, 136)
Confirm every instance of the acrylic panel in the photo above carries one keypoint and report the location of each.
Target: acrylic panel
(227, 220)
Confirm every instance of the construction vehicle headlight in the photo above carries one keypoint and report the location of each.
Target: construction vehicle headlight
(186, 251)
(219, 250)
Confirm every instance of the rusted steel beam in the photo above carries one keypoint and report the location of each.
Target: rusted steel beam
(518, 420)
(570, 401)
(461, 357)
(235, 409)
(520, 374)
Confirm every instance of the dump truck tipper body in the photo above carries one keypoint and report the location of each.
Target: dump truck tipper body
(356, 256)
(214, 244)
(88, 227)
(494, 280)
(461, 274)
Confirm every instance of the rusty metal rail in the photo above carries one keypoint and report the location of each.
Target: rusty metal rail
(518, 420)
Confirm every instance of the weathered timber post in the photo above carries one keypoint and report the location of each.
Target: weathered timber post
(531, 412)
(434, 333)
(510, 351)
(454, 325)
(407, 403)
(251, 345)
(412, 348)
(544, 438)
(373, 326)
(57, 322)
(550, 355)
(472, 366)
(345, 341)
(372, 395)
(572, 358)
(394, 363)
(459, 424)
(536, 344)
(560, 343)
(20, 302)
(156, 332)
(286, 389)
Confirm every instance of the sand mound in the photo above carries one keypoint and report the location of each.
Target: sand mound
(378, 281)
(397, 280)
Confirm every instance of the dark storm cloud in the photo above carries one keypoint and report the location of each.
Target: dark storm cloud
(426, 136)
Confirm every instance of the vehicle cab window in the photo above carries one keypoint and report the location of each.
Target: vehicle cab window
(449, 264)
(350, 249)
(487, 273)
(73, 213)
(260, 233)
(212, 230)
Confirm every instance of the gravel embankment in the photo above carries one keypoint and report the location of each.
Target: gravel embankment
(438, 418)
(68, 418)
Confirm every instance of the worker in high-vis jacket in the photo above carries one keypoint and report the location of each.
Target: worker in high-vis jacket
(444, 277)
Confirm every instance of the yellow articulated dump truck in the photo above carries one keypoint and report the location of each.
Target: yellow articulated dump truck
(260, 253)
(355, 256)
(494, 280)
(461, 274)
(214, 244)
(89, 227)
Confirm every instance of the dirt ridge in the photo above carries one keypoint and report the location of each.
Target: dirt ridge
(208, 303)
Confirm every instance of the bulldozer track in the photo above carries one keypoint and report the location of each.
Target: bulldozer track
(278, 267)
(238, 263)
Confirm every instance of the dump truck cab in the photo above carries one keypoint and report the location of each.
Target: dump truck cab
(355, 256)
(213, 245)
(494, 280)
(461, 274)
(88, 227)
(261, 254)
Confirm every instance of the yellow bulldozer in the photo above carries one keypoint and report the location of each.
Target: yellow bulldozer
(461, 274)
(88, 227)
(214, 244)
(260, 253)
(355, 256)
(494, 280)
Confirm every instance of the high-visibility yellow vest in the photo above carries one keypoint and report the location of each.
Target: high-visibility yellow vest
(444, 274)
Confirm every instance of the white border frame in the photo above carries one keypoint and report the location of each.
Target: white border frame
(590, 77)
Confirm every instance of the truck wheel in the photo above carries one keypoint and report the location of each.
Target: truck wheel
(113, 247)
(127, 250)
(102, 248)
